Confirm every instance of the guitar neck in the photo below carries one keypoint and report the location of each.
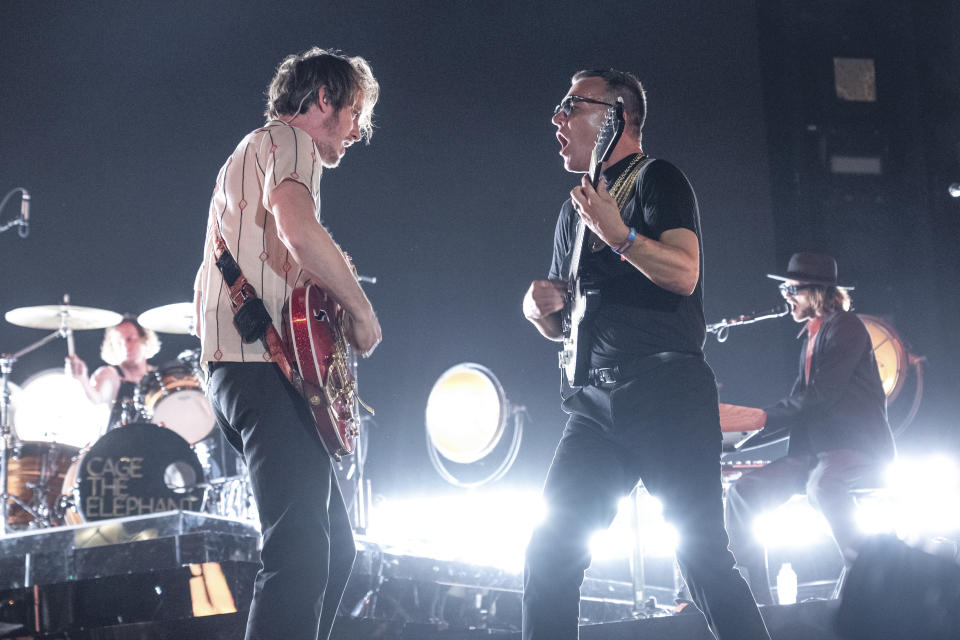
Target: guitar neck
(583, 234)
(578, 247)
(595, 169)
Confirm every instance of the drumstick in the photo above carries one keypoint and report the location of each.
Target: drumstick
(69, 336)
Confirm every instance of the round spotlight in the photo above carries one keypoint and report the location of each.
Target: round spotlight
(52, 407)
(466, 413)
(890, 353)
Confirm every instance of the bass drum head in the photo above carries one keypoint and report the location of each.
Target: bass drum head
(52, 407)
(134, 470)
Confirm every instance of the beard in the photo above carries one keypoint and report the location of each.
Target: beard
(330, 144)
(802, 313)
(329, 155)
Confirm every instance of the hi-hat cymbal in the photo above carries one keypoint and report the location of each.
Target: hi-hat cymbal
(53, 316)
(170, 318)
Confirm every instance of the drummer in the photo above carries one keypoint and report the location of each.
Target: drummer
(126, 348)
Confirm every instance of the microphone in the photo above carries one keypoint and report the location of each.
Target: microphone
(24, 229)
(722, 328)
(775, 312)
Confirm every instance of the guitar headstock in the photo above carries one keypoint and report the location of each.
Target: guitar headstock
(607, 138)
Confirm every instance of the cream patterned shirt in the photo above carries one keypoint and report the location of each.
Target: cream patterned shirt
(263, 159)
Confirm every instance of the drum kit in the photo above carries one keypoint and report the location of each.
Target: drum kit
(59, 466)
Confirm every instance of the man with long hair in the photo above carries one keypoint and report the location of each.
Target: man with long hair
(836, 418)
(649, 409)
(266, 207)
(126, 348)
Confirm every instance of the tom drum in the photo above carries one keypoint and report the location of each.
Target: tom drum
(176, 397)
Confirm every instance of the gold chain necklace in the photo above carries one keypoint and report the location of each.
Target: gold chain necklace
(620, 191)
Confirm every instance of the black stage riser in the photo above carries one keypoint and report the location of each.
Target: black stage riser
(805, 621)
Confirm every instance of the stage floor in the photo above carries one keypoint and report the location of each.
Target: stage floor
(189, 575)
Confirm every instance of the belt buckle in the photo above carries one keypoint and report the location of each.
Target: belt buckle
(603, 376)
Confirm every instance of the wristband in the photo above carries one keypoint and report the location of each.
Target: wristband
(626, 243)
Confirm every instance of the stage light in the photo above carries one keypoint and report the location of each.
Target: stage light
(793, 525)
(922, 474)
(891, 355)
(655, 535)
(466, 415)
(52, 407)
(922, 498)
(485, 528)
(875, 515)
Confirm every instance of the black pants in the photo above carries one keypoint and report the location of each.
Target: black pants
(308, 548)
(826, 478)
(663, 428)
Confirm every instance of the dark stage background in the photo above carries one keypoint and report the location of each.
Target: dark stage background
(117, 116)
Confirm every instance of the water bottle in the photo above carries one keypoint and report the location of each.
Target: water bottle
(787, 584)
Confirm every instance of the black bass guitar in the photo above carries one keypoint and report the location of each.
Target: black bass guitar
(583, 298)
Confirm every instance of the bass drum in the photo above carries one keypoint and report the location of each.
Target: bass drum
(52, 407)
(134, 470)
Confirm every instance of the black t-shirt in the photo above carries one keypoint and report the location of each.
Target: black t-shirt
(637, 318)
(125, 394)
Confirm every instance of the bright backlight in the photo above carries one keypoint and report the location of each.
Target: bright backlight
(466, 412)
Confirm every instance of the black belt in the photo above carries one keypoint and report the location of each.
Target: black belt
(605, 376)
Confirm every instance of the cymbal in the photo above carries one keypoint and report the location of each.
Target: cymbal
(170, 318)
(73, 317)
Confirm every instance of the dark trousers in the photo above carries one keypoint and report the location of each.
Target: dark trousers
(826, 478)
(308, 547)
(663, 428)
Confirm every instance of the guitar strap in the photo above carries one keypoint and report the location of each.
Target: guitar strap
(621, 187)
(249, 314)
(621, 190)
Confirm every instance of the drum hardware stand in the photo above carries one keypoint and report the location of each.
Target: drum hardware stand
(6, 430)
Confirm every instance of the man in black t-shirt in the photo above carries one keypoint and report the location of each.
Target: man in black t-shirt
(649, 411)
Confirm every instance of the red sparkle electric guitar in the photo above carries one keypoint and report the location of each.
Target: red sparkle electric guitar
(314, 340)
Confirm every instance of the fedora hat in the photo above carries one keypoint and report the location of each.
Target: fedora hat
(811, 268)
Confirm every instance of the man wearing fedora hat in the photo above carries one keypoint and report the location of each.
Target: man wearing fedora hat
(835, 416)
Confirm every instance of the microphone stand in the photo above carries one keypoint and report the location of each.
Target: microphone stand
(722, 328)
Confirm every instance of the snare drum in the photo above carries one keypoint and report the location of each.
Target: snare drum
(137, 469)
(175, 396)
(35, 473)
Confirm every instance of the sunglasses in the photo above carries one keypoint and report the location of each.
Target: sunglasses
(793, 289)
(566, 105)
